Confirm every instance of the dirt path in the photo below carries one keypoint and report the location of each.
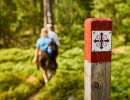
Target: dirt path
(32, 97)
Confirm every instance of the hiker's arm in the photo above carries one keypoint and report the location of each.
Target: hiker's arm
(36, 54)
(57, 40)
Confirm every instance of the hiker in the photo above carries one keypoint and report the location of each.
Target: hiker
(52, 34)
(41, 56)
(54, 37)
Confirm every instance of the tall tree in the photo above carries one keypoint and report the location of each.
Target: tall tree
(69, 16)
(19, 19)
(7, 8)
(47, 12)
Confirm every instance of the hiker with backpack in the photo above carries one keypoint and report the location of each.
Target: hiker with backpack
(55, 43)
(52, 34)
(44, 55)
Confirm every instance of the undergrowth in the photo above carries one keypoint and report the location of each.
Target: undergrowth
(20, 78)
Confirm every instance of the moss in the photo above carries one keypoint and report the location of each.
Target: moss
(19, 77)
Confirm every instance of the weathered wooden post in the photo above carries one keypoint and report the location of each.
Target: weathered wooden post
(97, 64)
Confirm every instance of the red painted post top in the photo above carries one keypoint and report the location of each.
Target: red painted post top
(97, 39)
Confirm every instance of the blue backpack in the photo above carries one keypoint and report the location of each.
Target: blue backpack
(52, 49)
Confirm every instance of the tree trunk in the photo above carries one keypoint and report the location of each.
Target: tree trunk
(48, 12)
(45, 11)
(34, 18)
(56, 1)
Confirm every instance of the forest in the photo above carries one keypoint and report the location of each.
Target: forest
(20, 25)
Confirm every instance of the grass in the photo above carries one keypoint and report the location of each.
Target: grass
(20, 78)
(121, 74)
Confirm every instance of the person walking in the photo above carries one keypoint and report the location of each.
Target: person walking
(52, 34)
(41, 56)
(54, 37)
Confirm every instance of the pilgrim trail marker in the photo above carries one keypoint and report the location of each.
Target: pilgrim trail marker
(97, 58)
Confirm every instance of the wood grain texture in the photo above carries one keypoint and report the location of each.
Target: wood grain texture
(97, 80)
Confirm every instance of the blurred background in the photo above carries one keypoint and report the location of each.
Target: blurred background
(20, 25)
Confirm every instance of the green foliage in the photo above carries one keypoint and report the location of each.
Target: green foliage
(21, 20)
(69, 16)
(120, 42)
(6, 21)
(120, 75)
(18, 76)
(119, 12)
(20, 23)
(69, 78)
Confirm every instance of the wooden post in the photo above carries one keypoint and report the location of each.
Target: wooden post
(97, 64)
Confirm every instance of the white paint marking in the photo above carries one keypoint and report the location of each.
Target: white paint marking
(101, 41)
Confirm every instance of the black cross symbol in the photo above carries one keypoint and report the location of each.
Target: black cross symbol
(101, 40)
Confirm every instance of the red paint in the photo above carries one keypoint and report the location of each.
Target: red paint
(96, 24)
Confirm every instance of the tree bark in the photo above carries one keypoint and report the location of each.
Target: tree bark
(56, 1)
(34, 18)
(48, 12)
(45, 11)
